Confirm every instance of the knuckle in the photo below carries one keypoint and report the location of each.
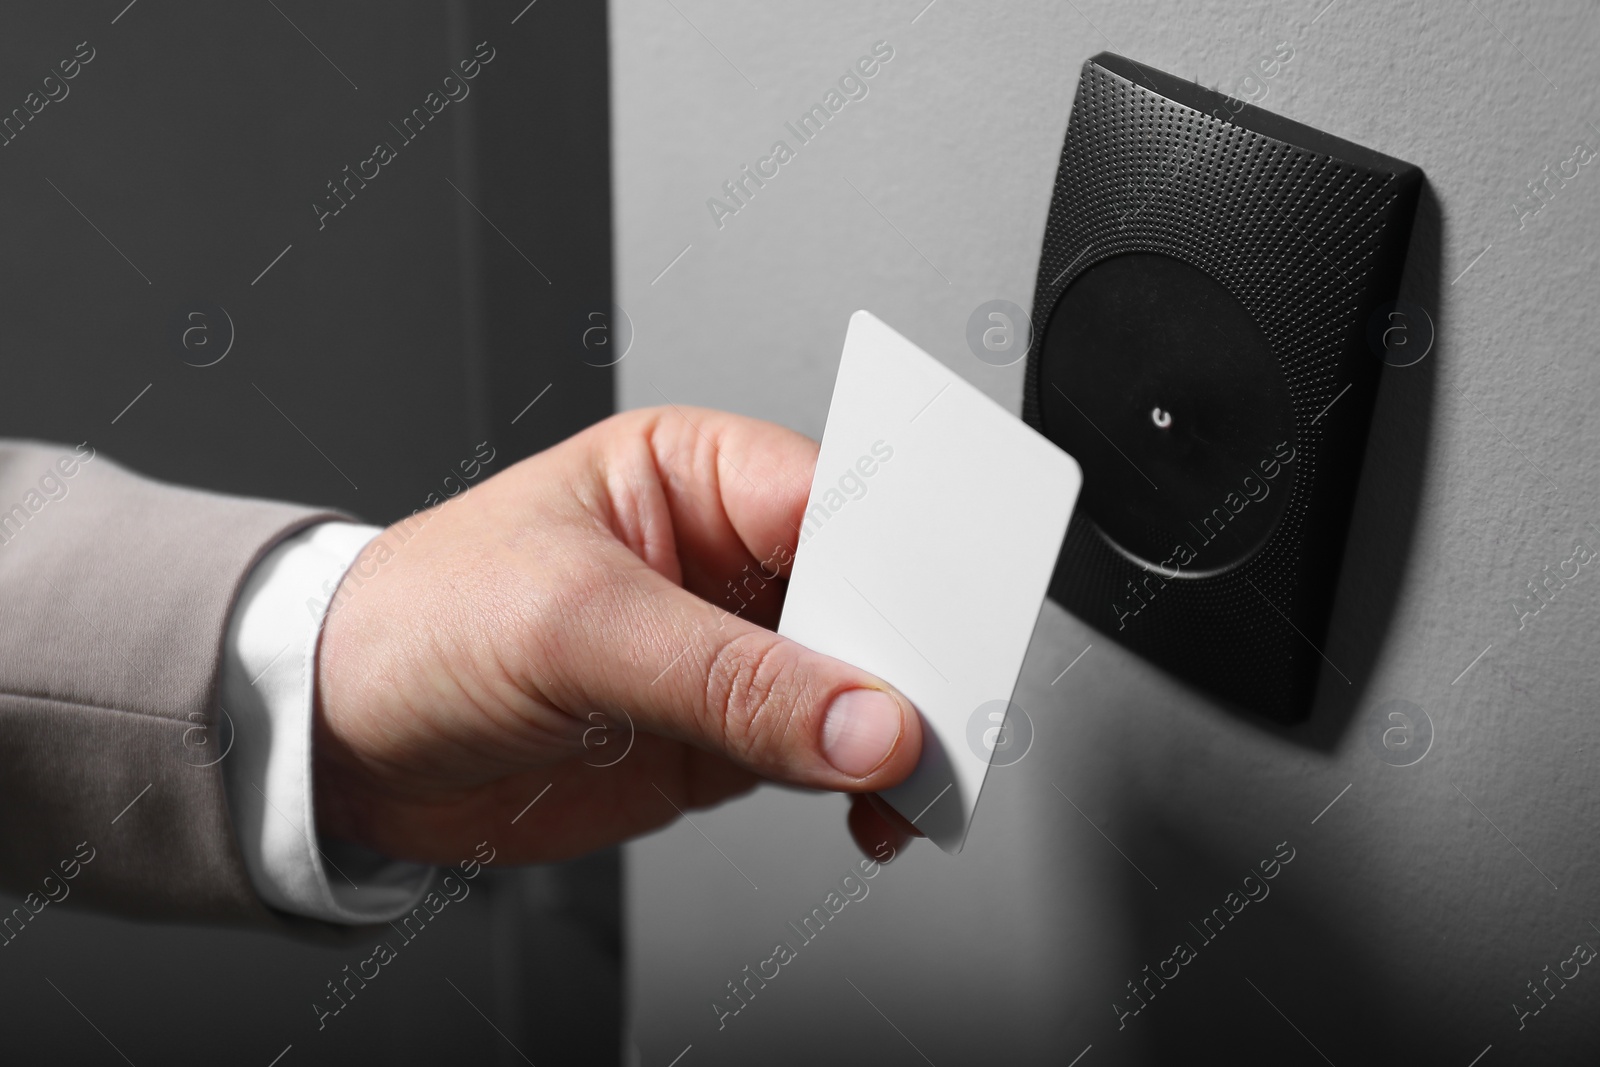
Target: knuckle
(752, 689)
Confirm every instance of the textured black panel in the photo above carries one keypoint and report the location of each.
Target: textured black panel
(1307, 234)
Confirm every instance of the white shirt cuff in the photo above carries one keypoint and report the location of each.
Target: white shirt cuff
(268, 684)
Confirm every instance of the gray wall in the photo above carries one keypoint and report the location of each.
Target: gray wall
(1408, 921)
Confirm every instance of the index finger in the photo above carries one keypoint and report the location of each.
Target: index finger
(736, 488)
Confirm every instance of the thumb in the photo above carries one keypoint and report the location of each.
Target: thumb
(721, 683)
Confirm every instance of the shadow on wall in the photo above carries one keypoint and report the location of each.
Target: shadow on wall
(1254, 950)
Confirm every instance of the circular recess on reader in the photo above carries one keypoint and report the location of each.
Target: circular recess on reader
(1158, 381)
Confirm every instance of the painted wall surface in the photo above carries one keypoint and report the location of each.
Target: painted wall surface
(1417, 907)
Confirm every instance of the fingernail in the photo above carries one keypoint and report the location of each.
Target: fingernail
(860, 730)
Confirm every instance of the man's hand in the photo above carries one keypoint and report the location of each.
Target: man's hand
(627, 574)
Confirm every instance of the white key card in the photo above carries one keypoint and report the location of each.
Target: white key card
(933, 525)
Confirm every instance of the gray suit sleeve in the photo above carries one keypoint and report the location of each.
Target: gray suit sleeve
(115, 594)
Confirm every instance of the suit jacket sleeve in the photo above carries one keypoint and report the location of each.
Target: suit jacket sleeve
(115, 596)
